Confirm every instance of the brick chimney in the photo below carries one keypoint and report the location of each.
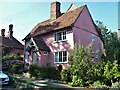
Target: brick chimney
(10, 32)
(3, 32)
(55, 10)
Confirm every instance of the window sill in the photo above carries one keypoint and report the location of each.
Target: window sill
(60, 41)
(60, 62)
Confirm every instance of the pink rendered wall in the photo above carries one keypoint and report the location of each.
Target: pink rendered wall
(44, 59)
(57, 46)
(83, 28)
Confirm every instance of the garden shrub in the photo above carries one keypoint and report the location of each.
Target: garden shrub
(47, 72)
(115, 85)
(43, 72)
(8, 64)
(16, 68)
(85, 72)
(33, 70)
(12, 57)
(77, 81)
(82, 66)
(97, 83)
(111, 72)
(65, 75)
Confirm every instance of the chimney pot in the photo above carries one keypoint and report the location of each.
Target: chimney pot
(10, 27)
(3, 32)
(10, 33)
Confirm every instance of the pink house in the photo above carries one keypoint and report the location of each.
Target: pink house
(51, 40)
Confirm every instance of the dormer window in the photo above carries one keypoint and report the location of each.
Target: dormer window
(60, 36)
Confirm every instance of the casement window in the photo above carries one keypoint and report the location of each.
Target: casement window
(92, 37)
(45, 52)
(61, 57)
(60, 36)
(34, 58)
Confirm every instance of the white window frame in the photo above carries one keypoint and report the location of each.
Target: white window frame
(62, 35)
(62, 57)
(45, 52)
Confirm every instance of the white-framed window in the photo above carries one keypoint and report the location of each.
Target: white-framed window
(92, 37)
(60, 36)
(61, 57)
(45, 52)
(34, 58)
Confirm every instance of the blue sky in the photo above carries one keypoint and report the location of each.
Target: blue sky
(25, 15)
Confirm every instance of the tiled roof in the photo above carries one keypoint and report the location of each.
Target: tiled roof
(41, 44)
(11, 42)
(65, 20)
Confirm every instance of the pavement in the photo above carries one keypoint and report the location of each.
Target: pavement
(55, 85)
(42, 83)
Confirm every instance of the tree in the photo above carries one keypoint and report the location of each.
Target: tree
(103, 29)
(111, 42)
(112, 47)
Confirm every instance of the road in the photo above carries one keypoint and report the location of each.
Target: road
(4, 87)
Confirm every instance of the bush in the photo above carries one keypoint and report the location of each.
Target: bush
(43, 72)
(47, 72)
(12, 57)
(97, 83)
(65, 75)
(82, 66)
(9, 64)
(77, 81)
(16, 68)
(115, 85)
(34, 70)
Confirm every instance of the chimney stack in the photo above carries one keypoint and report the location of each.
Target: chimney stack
(55, 10)
(10, 33)
(3, 32)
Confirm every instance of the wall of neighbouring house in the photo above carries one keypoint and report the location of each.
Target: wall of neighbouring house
(57, 46)
(27, 55)
(83, 28)
(16, 51)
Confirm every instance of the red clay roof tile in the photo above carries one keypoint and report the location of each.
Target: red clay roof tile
(65, 20)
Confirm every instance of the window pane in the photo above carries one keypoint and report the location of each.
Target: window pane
(45, 53)
(64, 56)
(60, 56)
(34, 58)
(55, 37)
(64, 35)
(59, 36)
(56, 56)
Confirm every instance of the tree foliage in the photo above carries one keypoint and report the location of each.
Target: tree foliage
(83, 71)
(111, 42)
